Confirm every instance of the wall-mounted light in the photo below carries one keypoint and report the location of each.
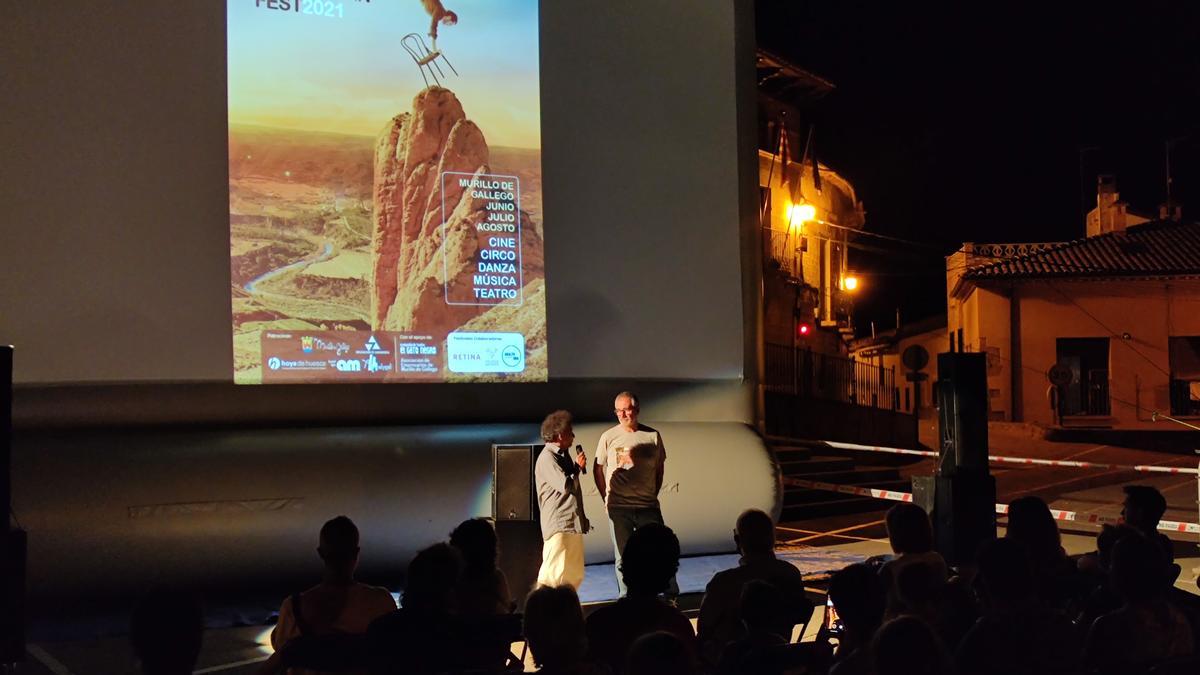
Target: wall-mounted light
(802, 213)
(850, 283)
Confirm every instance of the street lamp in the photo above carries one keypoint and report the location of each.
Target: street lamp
(850, 283)
(802, 213)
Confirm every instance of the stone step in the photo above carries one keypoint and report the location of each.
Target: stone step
(833, 507)
(804, 467)
(798, 495)
(862, 475)
(791, 452)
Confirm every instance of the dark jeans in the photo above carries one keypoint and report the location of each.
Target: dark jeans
(625, 520)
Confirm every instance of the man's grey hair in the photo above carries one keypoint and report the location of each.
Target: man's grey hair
(554, 424)
(633, 399)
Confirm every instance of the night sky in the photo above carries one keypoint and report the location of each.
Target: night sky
(989, 122)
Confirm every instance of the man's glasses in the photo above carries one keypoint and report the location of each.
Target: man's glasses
(625, 410)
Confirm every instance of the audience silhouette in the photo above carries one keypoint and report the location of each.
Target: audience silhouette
(767, 618)
(1021, 606)
(555, 631)
(424, 635)
(720, 620)
(859, 596)
(648, 564)
(908, 646)
(1055, 576)
(1014, 613)
(911, 537)
(660, 653)
(482, 589)
(1147, 629)
(313, 629)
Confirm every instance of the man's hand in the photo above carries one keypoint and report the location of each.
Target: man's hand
(585, 524)
(598, 476)
(581, 460)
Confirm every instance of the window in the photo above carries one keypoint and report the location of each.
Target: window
(1087, 393)
(1184, 353)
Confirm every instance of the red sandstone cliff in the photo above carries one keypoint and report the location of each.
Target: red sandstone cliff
(408, 271)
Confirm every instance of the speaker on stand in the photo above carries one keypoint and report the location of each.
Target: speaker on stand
(515, 510)
(961, 497)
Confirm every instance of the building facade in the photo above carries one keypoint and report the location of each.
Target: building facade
(806, 211)
(1102, 331)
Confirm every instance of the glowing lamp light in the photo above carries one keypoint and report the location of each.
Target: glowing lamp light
(850, 283)
(802, 212)
(803, 330)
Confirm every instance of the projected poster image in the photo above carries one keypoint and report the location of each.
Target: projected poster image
(385, 182)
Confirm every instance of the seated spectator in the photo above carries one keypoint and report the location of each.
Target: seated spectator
(166, 631)
(424, 635)
(858, 594)
(720, 622)
(1031, 523)
(659, 653)
(1099, 595)
(482, 589)
(767, 621)
(1147, 629)
(337, 605)
(1144, 506)
(648, 565)
(555, 632)
(911, 538)
(907, 646)
(1017, 632)
(946, 607)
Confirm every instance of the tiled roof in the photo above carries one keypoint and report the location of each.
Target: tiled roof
(1160, 248)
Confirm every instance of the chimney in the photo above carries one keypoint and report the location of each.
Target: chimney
(1170, 212)
(1110, 212)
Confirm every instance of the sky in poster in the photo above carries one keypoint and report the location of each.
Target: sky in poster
(350, 75)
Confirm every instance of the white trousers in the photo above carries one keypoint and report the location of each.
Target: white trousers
(562, 560)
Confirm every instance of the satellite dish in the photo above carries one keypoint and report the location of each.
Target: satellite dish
(915, 357)
(1060, 375)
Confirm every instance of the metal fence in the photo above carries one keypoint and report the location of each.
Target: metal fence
(805, 373)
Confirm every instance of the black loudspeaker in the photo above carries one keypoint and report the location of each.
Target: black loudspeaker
(964, 515)
(514, 507)
(962, 412)
(14, 544)
(520, 556)
(513, 498)
(14, 548)
(963, 494)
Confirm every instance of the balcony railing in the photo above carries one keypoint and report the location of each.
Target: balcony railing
(802, 372)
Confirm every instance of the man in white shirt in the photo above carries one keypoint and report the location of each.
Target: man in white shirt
(629, 466)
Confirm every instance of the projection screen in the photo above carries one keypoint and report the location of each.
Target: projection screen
(124, 128)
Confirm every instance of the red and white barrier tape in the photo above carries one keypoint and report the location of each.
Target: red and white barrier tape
(1165, 525)
(1023, 460)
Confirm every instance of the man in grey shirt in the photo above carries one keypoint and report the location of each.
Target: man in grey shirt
(560, 499)
(630, 460)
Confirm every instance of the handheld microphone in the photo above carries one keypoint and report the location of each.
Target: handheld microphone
(579, 451)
